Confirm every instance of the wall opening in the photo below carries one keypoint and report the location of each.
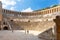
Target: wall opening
(5, 28)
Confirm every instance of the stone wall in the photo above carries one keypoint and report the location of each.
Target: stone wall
(0, 11)
(47, 35)
(57, 21)
(46, 11)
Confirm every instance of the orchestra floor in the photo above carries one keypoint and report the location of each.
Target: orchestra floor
(19, 35)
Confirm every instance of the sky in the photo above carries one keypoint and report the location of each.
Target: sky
(27, 5)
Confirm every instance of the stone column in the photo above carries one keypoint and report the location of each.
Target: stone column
(57, 21)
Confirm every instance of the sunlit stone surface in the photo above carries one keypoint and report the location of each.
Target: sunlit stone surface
(19, 35)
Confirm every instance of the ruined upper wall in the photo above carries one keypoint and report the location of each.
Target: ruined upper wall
(47, 11)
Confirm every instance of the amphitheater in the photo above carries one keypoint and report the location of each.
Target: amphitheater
(41, 21)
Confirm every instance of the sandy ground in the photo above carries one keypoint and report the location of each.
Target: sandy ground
(19, 35)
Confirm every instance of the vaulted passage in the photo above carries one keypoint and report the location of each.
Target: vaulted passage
(5, 28)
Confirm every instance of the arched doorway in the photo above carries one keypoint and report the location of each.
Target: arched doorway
(5, 28)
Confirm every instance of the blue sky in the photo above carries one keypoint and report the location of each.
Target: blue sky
(27, 5)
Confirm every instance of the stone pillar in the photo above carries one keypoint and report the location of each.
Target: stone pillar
(57, 21)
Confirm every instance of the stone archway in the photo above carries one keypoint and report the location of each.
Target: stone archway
(5, 28)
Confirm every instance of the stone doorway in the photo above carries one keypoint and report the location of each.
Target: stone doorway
(5, 28)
